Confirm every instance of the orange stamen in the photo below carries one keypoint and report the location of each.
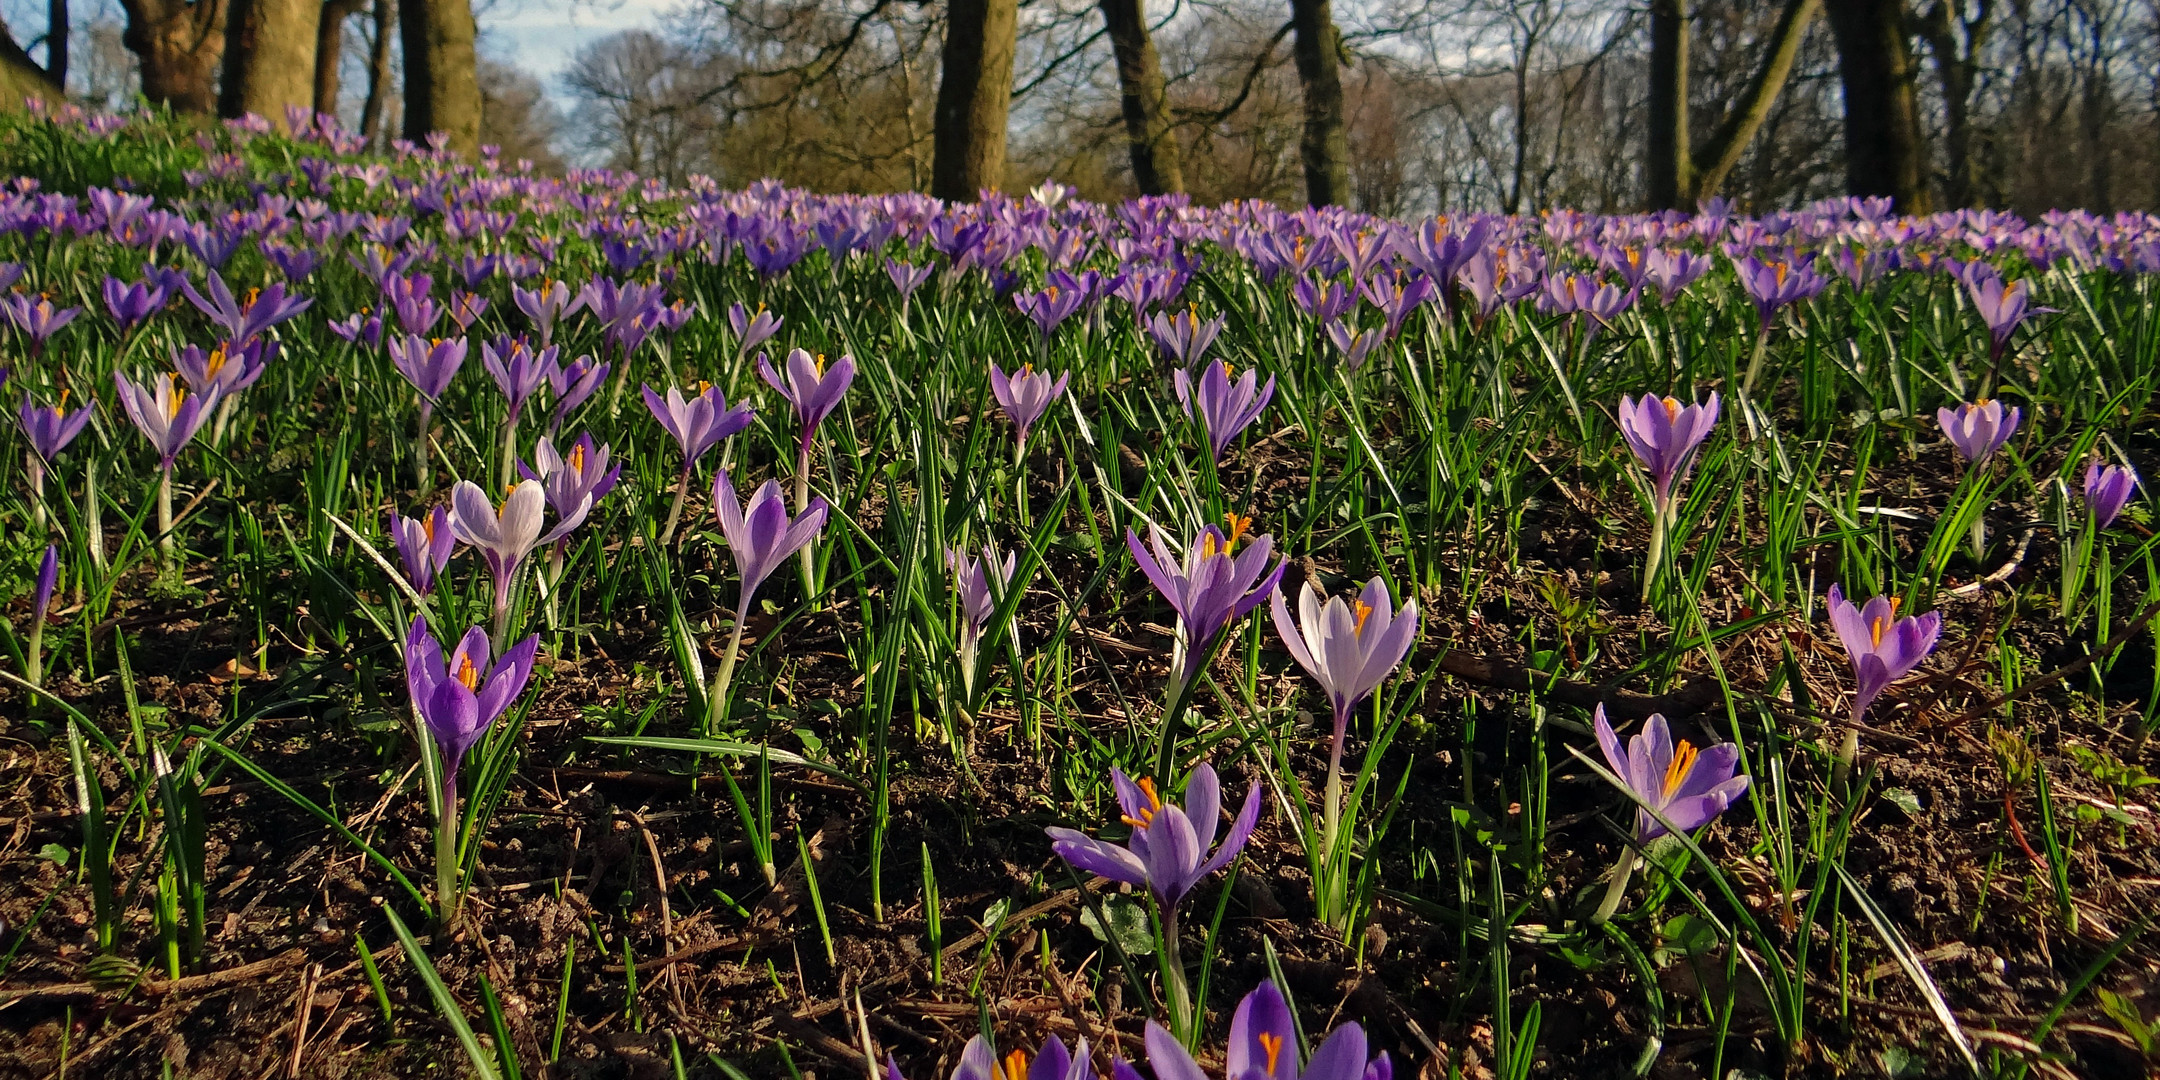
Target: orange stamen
(577, 458)
(1672, 409)
(1238, 525)
(1147, 813)
(1363, 611)
(468, 674)
(1015, 1067)
(1683, 763)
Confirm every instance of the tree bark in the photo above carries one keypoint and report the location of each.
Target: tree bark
(1670, 166)
(269, 57)
(330, 51)
(967, 135)
(57, 25)
(1954, 41)
(20, 76)
(442, 74)
(1723, 151)
(378, 83)
(177, 44)
(1325, 146)
(1883, 151)
(1141, 96)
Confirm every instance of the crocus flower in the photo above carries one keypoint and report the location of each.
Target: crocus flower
(1049, 307)
(1348, 648)
(36, 317)
(1686, 786)
(580, 476)
(813, 390)
(48, 577)
(1773, 285)
(1183, 337)
(752, 329)
(165, 413)
(2107, 490)
(1264, 1046)
(544, 305)
(1208, 588)
(412, 301)
(1354, 345)
(1168, 852)
(979, 1061)
(428, 364)
(132, 303)
(518, 371)
(2002, 306)
(978, 581)
(699, 423)
(1225, 407)
(763, 536)
(424, 545)
(506, 536)
(1025, 395)
(573, 384)
(1665, 435)
(245, 317)
(1979, 429)
(50, 430)
(1883, 647)
(460, 695)
(226, 368)
(907, 277)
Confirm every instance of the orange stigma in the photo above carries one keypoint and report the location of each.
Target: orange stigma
(1147, 813)
(577, 458)
(1271, 1044)
(1362, 611)
(1683, 763)
(1014, 1067)
(468, 674)
(1878, 625)
(1672, 408)
(178, 395)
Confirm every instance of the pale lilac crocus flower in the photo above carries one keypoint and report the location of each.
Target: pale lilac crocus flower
(2107, 490)
(48, 432)
(506, 536)
(1183, 336)
(979, 581)
(1979, 429)
(579, 476)
(1349, 649)
(168, 416)
(1264, 1046)
(698, 424)
(760, 539)
(1686, 787)
(751, 329)
(1883, 648)
(424, 545)
(1223, 408)
(812, 389)
(1168, 853)
(1665, 435)
(545, 305)
(1025, 396)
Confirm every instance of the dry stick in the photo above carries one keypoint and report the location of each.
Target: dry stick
(667, 917)
(300, 1021)
(2121, 636)
(186, 984)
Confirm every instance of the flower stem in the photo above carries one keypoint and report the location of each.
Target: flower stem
(168, 544)
(1173, 966)
(35, 466)
(422, 470)
(716, 709)
(1623, 870)
(509, 453)
(674, 514)
(1330, 891)
(1659, 515)
(447, 893)
(802, 503)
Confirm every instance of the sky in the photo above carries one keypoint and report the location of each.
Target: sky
(541, 36)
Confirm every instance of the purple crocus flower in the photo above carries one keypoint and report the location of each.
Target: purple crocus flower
(752, 329)
(813, 390)
(164, 412)
(1208, 588)
(1883, 647)
(428, 364)
(1049, 307)
(1225, 408)
(1354, 345)
(573, 384)
(50, 430)
(1773, 285)
(358, 328)
(907, 277)
(1183, 337)
(36, 317)
(518, 371)
(48, 578)
(424, 545)
(410, 299)
(226, 368)
(979, 1061)
(579, 476)
(1671, 272)
(248, 316)
(1979, 429)
(978, 582)
(1688, 787)
(1168, 852)
(459, 696)
(505, 537)
(1264, 1046)
(699, 423)
(1025, 395)
(466, 308)
(132, 303)
(1348, 648)
(1665, 435)
(2002, 306)
(544, 305)
(2107, 490)
(762, 536)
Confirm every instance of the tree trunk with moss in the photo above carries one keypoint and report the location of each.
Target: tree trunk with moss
(269, 57)
(1142, 98)
(442, 74)
(974, 98)
(1325, 146)
(1884, 154)
(177, 45)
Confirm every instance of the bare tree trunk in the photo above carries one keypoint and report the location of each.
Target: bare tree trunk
(20, 76)
(57, 25)
(1325, 146)
(269, 57)
(378, 82)
(442, 74)
(1955, 41)
(1670, 166)
(974, 98)
(1723, 151)
(178, 45)
(330, 51)
(1883, 151)
(1140, 94)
